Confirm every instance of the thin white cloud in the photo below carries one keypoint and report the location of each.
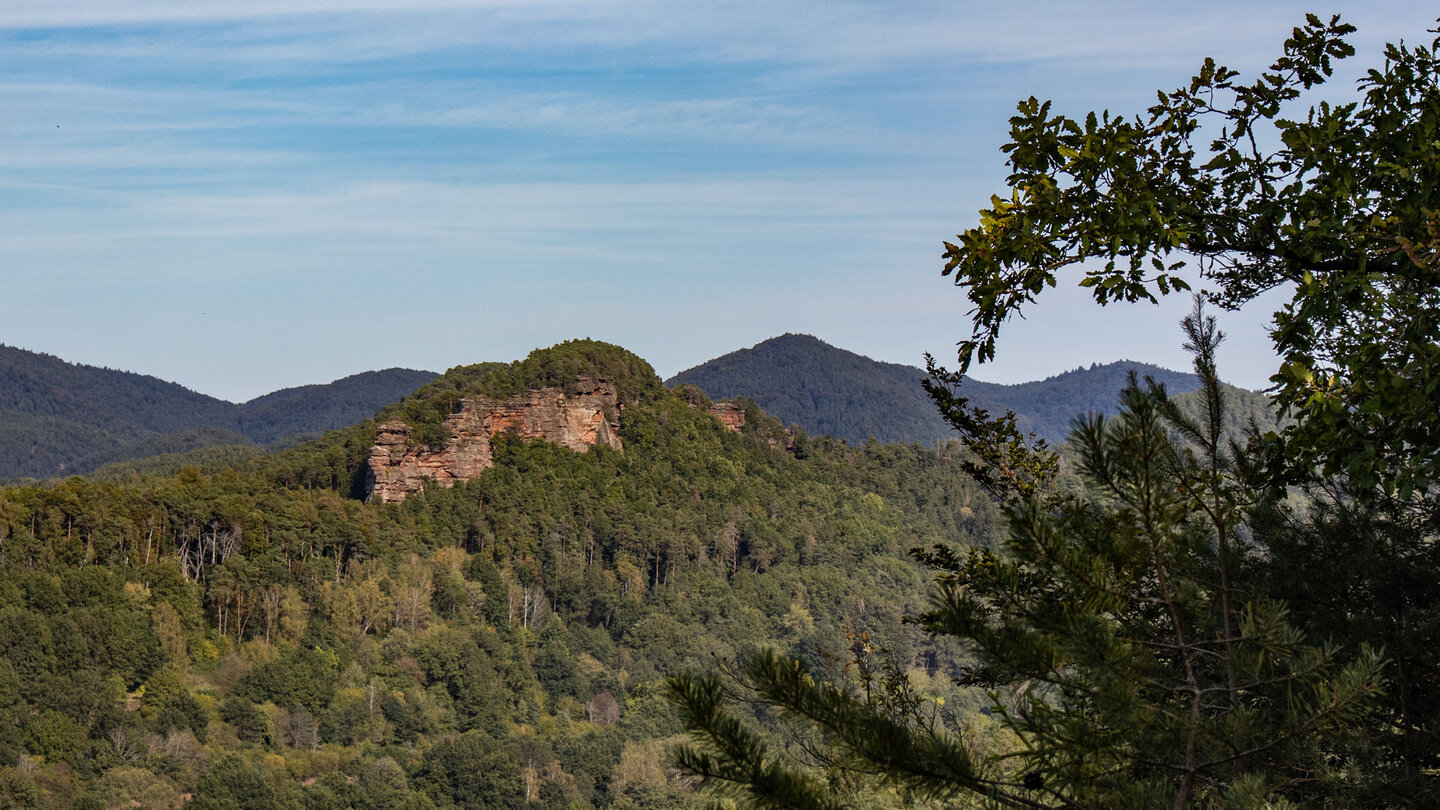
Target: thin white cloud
(106, 127)
(74, 13)
(718, 120)
(151, 156)
(845, 37)
(260, 176)
(427, 210)
(746, 229)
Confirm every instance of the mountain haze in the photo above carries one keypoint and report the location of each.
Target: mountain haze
(62, 418)
(802, 380)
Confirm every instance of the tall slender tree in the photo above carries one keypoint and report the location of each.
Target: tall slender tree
(1136, 645)
(1108, 632)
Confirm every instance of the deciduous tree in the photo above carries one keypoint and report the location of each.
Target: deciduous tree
(1127, 633)
(1239, 188)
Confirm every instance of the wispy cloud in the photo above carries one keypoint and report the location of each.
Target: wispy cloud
(478, 104)
(480, 216)
(252, 173)
(850, 37)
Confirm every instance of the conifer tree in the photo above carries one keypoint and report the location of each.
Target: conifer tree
(1181, 677)
(1107, 630)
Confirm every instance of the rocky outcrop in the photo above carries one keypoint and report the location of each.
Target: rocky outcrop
(579, 421)
(730, 415)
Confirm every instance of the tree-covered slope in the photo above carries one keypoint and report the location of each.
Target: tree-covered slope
(62, 418)
(1049, 406)
(804, 381)
(121, 403)
(825, 390)
(36, 446)
(253, 636)
(314, 409)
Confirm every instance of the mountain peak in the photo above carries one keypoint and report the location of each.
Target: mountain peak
(64, 417)
(803, 380)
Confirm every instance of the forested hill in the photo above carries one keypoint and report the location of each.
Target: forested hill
(802, 380)
(62, 418)
(313, 409)
(255, 636)
(123, 404)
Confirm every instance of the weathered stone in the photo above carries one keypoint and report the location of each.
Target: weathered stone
(579, 422)
(730, 415)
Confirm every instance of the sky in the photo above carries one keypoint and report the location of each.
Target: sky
(243, 197)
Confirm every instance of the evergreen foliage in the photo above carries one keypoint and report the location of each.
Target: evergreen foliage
(559, 366)
(1185, 630)
(1366, 574)
(65, 418)
(804, 381)
(1108, 628)
(1339, 201)
(253, 634)
(310, 410)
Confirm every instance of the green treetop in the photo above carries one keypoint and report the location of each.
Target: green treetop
(1134, 636)
(1239, 188)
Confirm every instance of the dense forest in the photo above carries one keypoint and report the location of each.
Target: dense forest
(249, 634)
(1179, 607)
(802, 380)
(66, 418)
(1191, 620)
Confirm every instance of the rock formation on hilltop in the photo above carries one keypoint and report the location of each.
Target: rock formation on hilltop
(731, 415)
(579, 421)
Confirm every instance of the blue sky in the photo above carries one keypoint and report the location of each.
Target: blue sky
(243, 197)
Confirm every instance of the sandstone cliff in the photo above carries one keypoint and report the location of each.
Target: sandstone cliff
(583, 419)
(730, 415)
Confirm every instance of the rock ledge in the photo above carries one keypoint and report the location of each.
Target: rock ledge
(579, 421)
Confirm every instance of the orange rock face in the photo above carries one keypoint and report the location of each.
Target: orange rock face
(730, 415)
(578, 422)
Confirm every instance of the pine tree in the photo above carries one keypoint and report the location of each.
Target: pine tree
(1106, 628)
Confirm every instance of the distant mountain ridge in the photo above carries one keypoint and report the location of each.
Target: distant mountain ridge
(802, 380)
(61, 418)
